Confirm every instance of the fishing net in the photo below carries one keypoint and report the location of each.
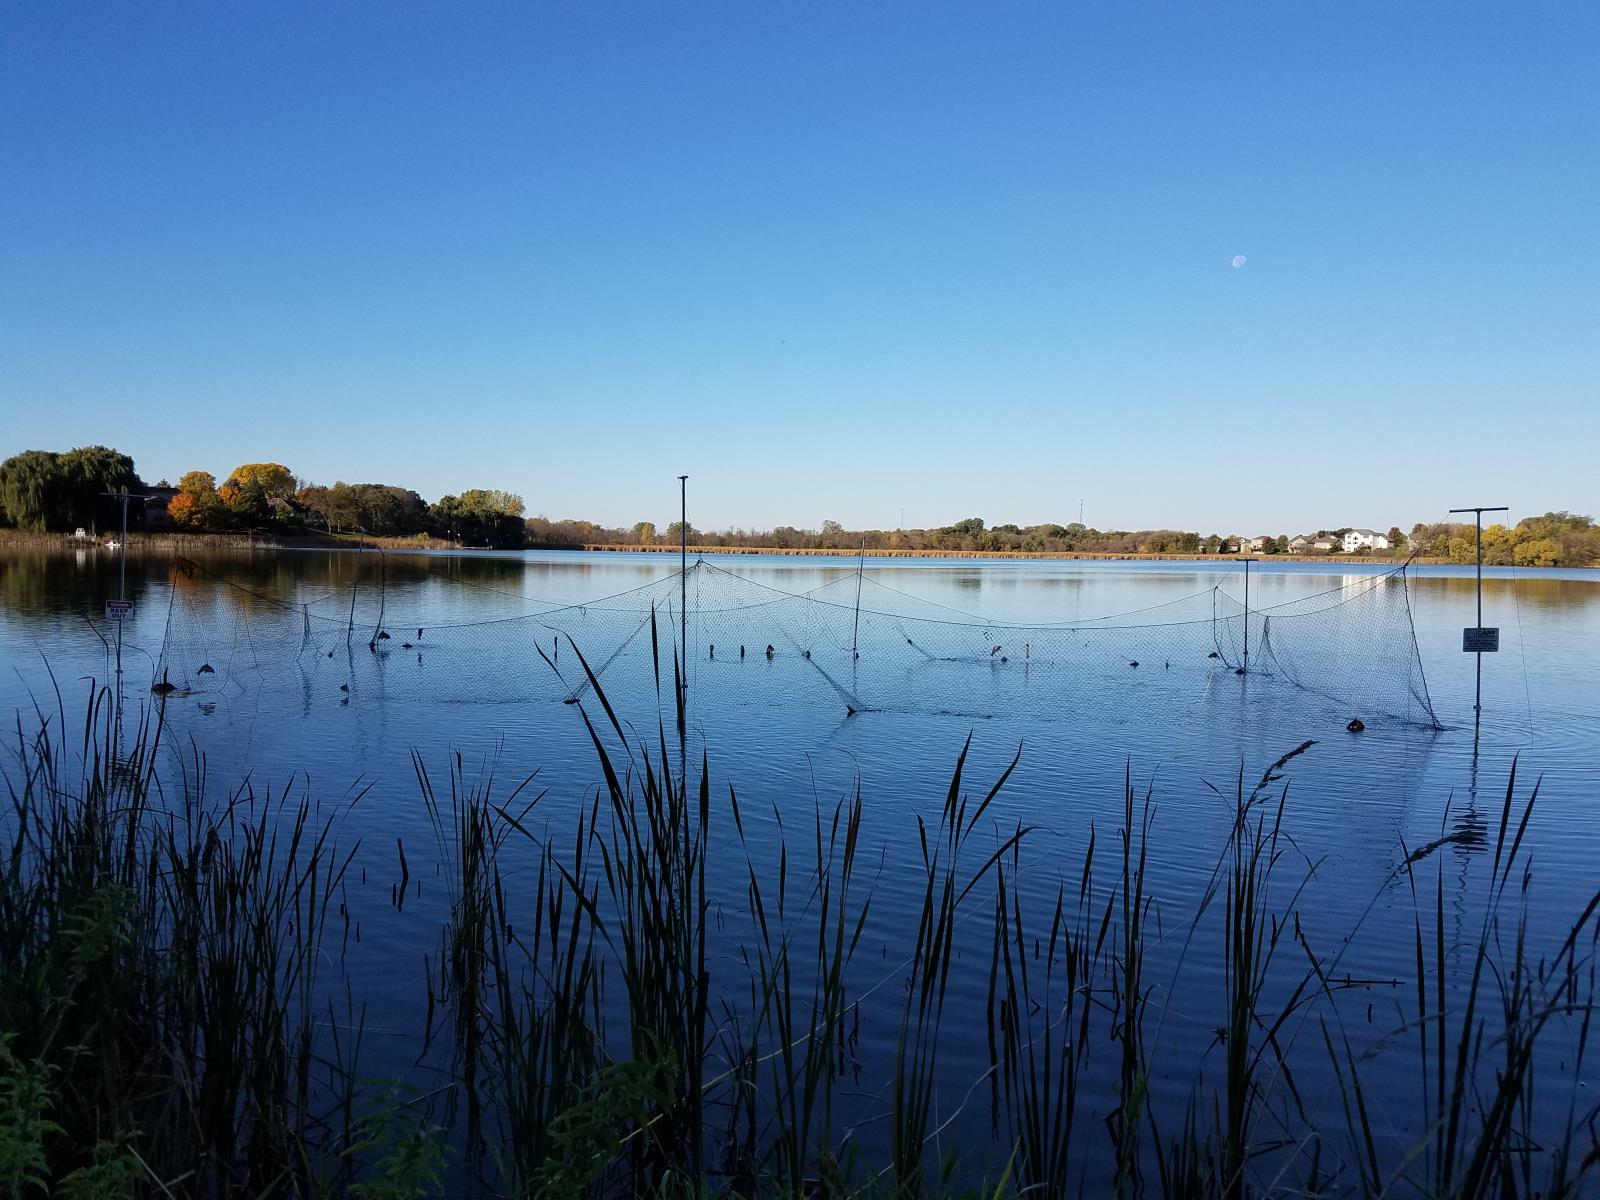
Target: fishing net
(396, 633)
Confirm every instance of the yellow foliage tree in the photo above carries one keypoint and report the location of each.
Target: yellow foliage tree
(255, 491)
(269, 479)
(197, 483)
(492, 500)
(1540, 552)
(1499, 544)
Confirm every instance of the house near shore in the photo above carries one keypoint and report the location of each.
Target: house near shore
(1365, 539)
(155, 507)
(1259, 544)
(1305, 543)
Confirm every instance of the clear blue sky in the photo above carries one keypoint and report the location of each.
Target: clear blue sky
(831, 260)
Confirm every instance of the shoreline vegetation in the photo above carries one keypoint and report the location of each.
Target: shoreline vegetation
(177, 1017)
(264, 540)
(43, 491)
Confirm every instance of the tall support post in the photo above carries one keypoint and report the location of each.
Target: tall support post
(683, 576)
(124, 496)
(122, 588)
(1477, 688)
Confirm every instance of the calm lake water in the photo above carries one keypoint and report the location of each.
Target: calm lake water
(1029, 656)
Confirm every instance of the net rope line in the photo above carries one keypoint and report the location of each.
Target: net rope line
(1361, 585)
(1354, 590)
(980, 618)
(1414, 663)
(555, 607)
(1349, 592)
(1522, 649)
(977, 619)
(727, 606)
(1086, 625)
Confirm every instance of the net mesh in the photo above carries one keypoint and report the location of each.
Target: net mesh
(397, 632)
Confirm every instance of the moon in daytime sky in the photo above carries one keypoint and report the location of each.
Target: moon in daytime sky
(1238, 261)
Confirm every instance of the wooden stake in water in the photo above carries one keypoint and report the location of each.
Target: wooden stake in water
(1247, 615)
(350, 625)
(855, 633)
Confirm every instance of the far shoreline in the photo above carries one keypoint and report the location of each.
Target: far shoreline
(1032, 555)
(139, 541)
(174, 543)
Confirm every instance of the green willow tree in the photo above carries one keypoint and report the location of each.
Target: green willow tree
(479, 517)
(44, 490)
(29, 486)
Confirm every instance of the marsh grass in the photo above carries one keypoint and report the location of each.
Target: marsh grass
(1478, 1027)
(162, 957)
(175, 1018)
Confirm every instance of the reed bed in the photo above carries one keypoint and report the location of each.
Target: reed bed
(177, 1017)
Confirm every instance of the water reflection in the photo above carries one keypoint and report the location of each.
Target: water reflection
(350, 713)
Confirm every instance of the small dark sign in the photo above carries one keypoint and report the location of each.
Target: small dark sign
(1480, 641)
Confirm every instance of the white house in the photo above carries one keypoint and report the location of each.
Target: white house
(1365, 539)
(1259, 543)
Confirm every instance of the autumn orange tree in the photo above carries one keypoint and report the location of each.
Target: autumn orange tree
(181, 512)
(197, 504)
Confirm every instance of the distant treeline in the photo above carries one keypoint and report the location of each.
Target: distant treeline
(968, 535)
(43, 490)
(1556, 539)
